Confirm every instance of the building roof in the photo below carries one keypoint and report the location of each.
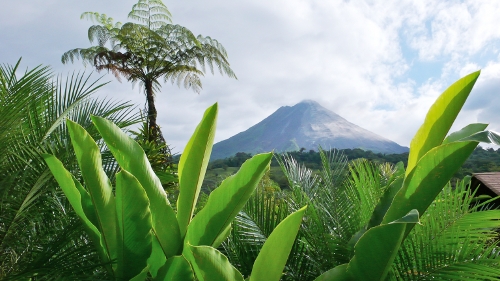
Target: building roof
(490, 180)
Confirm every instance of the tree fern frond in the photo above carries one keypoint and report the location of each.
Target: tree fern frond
(150, 49)
(151, 12)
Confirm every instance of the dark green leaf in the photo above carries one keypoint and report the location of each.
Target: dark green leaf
(133, 225)
(131, 157)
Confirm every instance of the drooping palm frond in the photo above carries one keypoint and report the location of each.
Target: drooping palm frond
(458, 240)
(39, 234)
(15, 94)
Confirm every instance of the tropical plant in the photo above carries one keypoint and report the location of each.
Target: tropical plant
(432, 161)
(137, 231)
(40, 236)
(457, 240)
(363, 225)
(150, 49)
(321, 243)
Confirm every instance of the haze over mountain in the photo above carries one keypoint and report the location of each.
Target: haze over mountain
(304, 125)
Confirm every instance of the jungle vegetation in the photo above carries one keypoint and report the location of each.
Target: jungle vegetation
(149, 49)
(480, 161)
(80, 199)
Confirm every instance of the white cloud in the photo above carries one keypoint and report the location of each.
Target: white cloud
(347, 55)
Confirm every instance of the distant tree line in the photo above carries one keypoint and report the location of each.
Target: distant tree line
(311, 159)
(482, 160)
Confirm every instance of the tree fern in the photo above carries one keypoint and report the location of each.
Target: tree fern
(148, 49)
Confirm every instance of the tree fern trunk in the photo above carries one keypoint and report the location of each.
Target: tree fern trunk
(154, 130)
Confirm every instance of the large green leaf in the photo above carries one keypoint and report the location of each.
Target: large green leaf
(374, 253)
(133, 226)
(157, 258)
(377, 248)
(272, 258)
(176, 268)
(338, 273)
(465, 132)
(131, 157)
(79, 200)
(485, 137)
(193, 165)
(428, 178)
(226, 201)
(211, 265)
(98, 185)
(439, 119)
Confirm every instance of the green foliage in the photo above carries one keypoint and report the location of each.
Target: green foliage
(362, 220)
(433, 159)
(159, 154)
(439, 119)
(457, 240)
(311, 160)
(40, 235)
(144, 233)
(192, 167)
(269, 263)
(480, 161)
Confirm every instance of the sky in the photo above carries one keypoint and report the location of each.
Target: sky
(378, 64)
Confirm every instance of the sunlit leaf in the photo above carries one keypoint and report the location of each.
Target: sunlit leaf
(193, 165)
(226, 201)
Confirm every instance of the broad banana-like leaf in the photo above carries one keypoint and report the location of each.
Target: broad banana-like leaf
(439, 119)
(374, 253)
(428, 177)
(376, 249)
(157, 258)
(80, 201)
(131, 157)
(485, 137)
(176, 268)
(143, 275)
(98, 185)
(466, 131)
(226, 201)
(223, 236)
(193, 165)
(272, 257)
(338, 273)
(211, 265)
(134, 226)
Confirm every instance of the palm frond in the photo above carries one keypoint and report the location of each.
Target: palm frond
(457, 241)
(39, 234)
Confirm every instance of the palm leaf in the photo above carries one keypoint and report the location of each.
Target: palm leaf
(32, 207)
(456, 241)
